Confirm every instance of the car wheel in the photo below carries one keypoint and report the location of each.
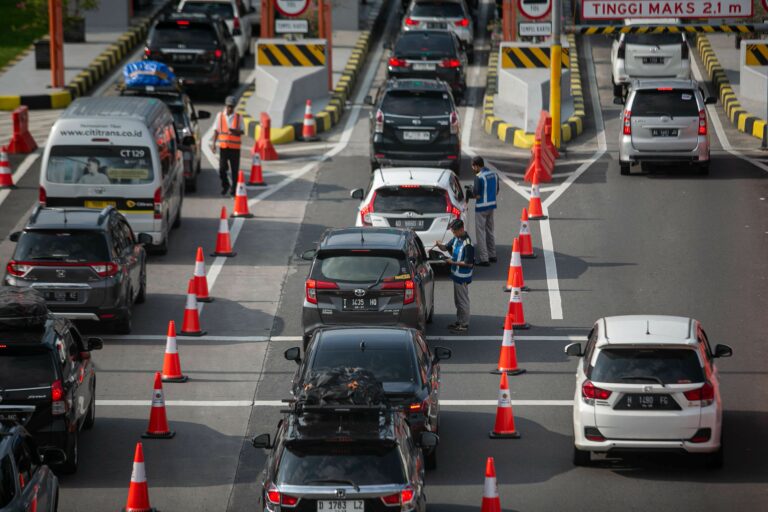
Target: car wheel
(123, 325)
(161, 248)
(69, 466)
(624, 168)
(618, 90)
(714, 460)
(142, 296)
(90, 419)
(581, 457)
(430, 460)
(703, 168)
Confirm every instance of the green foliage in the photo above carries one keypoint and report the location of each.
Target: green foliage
(24, 21)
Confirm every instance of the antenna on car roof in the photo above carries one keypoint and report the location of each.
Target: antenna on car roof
(410, 173)
(648, 327)
(362, 237)
(362, 346)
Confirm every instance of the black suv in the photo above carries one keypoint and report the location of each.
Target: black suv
(415, 122)
(344, 455)
(398, 358)
(185, 117)
(26, 483)
(198, 47)
(368, 276)
(88, 264)
(47, 378)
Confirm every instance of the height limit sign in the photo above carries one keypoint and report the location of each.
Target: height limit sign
(618, 9)
(534, 9)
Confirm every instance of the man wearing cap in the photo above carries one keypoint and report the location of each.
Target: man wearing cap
(462, 262)
(228, 131)
(485, 190)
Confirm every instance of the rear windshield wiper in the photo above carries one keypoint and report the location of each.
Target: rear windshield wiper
(333, 481)
(645, 377)
(652, 113)
(381, 276)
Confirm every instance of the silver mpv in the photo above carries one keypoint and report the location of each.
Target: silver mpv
(664, 121)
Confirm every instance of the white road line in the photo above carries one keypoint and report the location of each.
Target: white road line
(280, 403)
(158, 337)
(19, 174)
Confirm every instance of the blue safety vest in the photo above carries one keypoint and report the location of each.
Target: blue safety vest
(462, 250)
(486, 184)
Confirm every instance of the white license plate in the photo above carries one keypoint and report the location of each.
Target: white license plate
(421, 66)
(331, 505)
(414, 135)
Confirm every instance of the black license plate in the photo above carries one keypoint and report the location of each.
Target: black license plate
(653, 60)
(417, 224)
(183, 58)
(9, 416)
(637, 401)
(664, 132)
(62, 296)
(360, 304)
(437, 26)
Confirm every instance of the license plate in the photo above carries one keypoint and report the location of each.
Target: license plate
(99, 205)
(421, 66)
(12, 416)
(355, 304)
(664, 132)
(330, 505)
(414, 135)
(62, 296)
(183, 58)
(436, 25)
(409, 223)
(634, 402)
(653, 60)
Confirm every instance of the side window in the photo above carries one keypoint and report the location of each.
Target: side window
(7, 485)
(225, 30)
(128, 237)
(118, 244)
(705, 342)
(77, 339)
(456, 187)
(590, 348)
(422, 253)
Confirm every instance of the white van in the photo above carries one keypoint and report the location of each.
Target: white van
(119, 151)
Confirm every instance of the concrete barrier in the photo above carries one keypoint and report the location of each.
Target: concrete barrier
(753, 67)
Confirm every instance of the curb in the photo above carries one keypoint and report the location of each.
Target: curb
(744, 121)
(518, 137)
(82, 84)
(331, 114)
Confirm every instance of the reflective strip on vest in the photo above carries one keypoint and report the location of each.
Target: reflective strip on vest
(458, 255)
(489, 189)
(228, 140)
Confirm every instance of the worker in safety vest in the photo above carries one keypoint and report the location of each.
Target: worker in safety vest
(227, 134)
(485, 189)
(462, 263)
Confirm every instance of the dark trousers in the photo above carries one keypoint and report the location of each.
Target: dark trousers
(229, 158)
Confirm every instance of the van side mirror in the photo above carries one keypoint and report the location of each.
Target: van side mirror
(95, 344)
(723, 351)
(145, 239)
(262, 441)
(358, 193)
(441, 354)
(309, 255)
(293, 354)
(14, 237)
(574, 350)
(618, 100)
(428, 440)
(203, 114)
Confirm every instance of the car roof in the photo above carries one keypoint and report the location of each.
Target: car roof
(373, 337)
(427, 176)
(665, 82)
(364, 238)
(646, 330)
(417, 84)
(69, 218)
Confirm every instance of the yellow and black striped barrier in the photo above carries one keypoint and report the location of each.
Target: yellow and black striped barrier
(290, 54)
(665, 29)
(529, 57)
(756, 54)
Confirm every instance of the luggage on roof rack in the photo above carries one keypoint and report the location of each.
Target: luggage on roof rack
(340, 387)
(148, 73)
(22, 307)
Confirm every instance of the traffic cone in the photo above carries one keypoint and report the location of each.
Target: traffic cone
(223, 242)
(241, 198)
(515, 274)
(526, 245)
(201, 282)
(491, 501)
(504, 428)
(308, 130)
(191, 325)
(158, 422)
(171, 363)
(264, 144)
(138, 493)
(257, 178)
(535, 212)
(515, 309)
(508, 354)
(6, 175)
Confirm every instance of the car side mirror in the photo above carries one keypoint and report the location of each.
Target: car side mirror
(723, 351)
(293, 354)
(309, 254)
(618, 100)
(428, 440)
(53, 456)
(14, 237)
(710, 100)
(145, 239)
(358, 193)
(368, 100)
(574, 350)
(441, 354)
(203, 114)
(95, 344)
(261, 441)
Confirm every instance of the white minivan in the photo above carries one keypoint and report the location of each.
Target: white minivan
(118, 151)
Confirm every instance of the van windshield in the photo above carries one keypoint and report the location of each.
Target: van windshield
(100, 165)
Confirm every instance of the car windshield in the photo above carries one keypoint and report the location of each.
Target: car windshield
(360, 267)
(418, 45)
(393, 364)
(437, 10)
(416, 103)
(20, 368)
(332, 463)
(184, 34)
(653, 39)
(222, 9)
(100, 165)
(671, 366)
(665, 102)
(66, 246)
(410, 199)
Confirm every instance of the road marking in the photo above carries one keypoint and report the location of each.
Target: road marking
(20, 173)
(158, 337)
(280, 403)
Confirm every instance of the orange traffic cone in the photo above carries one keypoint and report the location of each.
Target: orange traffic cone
(504, 428)
(535, 210)
(515, 309)
(515, 274)
(257, 177)
(264, 144)
(223, 242)
(191, 325)
(308, 130)
(508, 354)
(158, 422)
(6, 175)
(171, 363)
(201, 282)
(491, 501)
(138, 493)
(526, 245)
(241, 198)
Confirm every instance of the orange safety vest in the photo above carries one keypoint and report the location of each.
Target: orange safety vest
(228, 140)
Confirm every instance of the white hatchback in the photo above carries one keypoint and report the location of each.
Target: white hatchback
(647, 383)
(423, 199)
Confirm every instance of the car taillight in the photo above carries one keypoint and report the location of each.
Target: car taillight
(622, 51)
(58, 405)
(275, 497)
(705, 394)
(411, 22)
(450, 63)
(236, 24)
(42, 196)
(147, 52)
(313, 285)
(158, 203)
(410, 292)
(18, 268)
(592, 434)
(628, 122)
(450, 208)
(684, 50)
(366, 211)
(379, 126)
(454, 123)
(702, 122)
(217, 53)
(288, 501)
(108, 269)
(396, 62)
(464, 22)
(418, 407)
(404, 497)
(591, 392)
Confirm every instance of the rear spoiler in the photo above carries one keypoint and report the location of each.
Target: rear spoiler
(16, 414)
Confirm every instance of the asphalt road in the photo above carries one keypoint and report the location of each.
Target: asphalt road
(667, 242)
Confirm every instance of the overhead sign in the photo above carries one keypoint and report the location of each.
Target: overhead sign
(534, 9)
(535, 29)
(619, 9)
(291, 7)
(291, 26)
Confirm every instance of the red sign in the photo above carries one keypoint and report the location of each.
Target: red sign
(291, 7)
(535, 9)
(620, 9)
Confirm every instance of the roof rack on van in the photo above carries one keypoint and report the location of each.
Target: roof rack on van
(104, 214)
